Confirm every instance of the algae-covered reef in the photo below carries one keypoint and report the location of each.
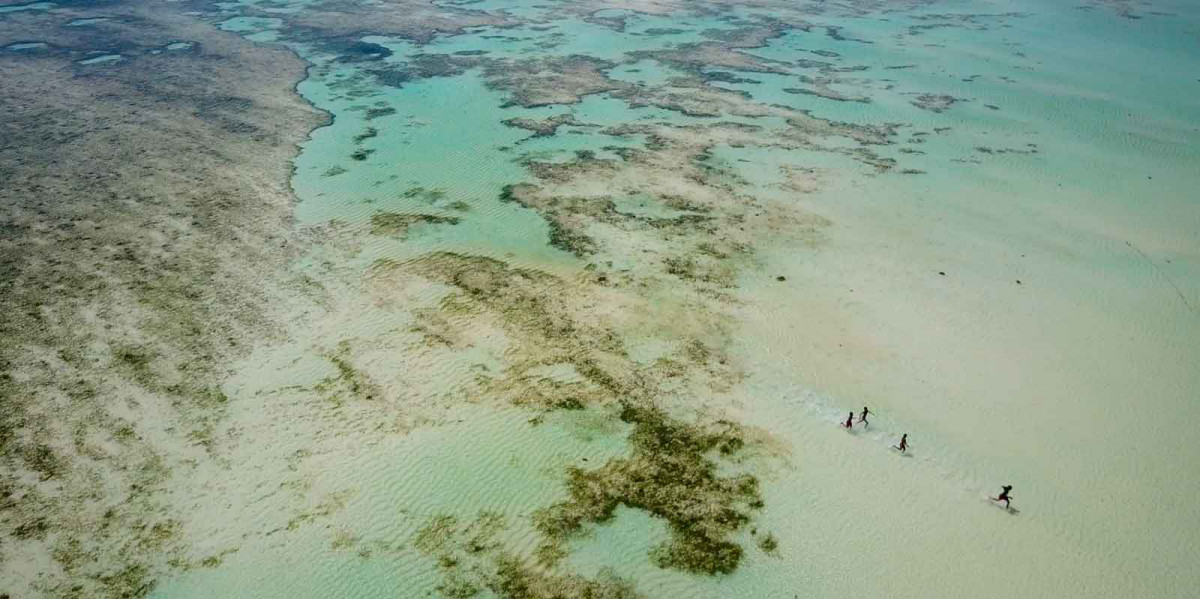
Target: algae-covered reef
(546, 127)
(724, 52)
(397, 224)
(672, 474)
(135, 262)
(702, 221)
(672, 470)
(343, 21)
(472, 560)
(537, 314)
(547, 81)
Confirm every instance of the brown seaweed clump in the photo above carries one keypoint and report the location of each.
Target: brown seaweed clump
(397, 224)
(821, 88)
(935, 102)
(546, 127)
(472, 560)
(555, 80)
(724, 51)
(564, 216)
(674, 470)
(513, 579)
(533, 310)
(672, 474)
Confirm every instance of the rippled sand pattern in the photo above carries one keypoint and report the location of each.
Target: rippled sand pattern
(570, 299)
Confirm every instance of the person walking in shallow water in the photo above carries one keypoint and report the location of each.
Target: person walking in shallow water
(903, 446)
(863, 417)
(1004, 496)
(849, 421)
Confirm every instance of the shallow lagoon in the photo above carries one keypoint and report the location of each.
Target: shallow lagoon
(1051, 188)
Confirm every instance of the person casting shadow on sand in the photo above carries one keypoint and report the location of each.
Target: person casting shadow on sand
(903, 446)
(1004, 496)
(849, 421)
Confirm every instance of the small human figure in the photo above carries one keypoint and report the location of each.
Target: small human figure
(1004, 496)
(903, 446)
(849, 421)
(863, 417)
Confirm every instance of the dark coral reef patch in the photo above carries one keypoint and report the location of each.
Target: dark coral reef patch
(672, 473)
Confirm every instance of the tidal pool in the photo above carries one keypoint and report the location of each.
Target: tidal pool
(103, 58)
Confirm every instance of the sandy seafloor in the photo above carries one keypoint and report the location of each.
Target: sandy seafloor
(1012, 279)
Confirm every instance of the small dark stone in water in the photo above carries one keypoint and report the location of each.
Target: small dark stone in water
(1018, 281)
(781, 278)
(942, 272)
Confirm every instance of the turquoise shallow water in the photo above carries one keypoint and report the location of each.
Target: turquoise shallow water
(1064, 158)
(399, 488)
(435, 174)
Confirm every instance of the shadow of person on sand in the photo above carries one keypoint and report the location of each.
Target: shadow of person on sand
(1012, 511)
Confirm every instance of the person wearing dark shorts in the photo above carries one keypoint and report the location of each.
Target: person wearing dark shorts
(1004, 496)
(849, 421)
(903, 446)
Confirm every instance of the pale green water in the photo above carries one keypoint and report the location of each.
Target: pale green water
(1078, 385)
(471, 172)
(507, 460)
